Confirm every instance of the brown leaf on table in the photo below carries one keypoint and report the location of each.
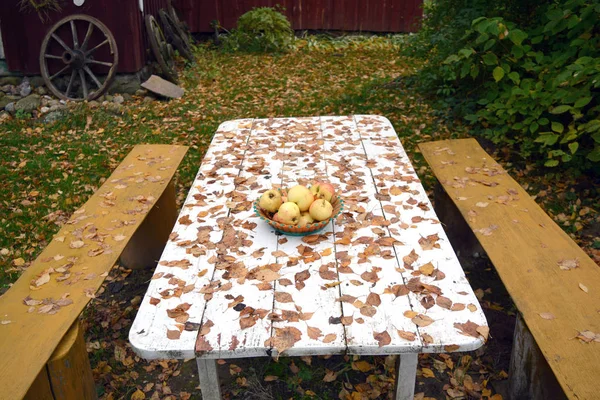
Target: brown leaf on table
(547, 315)
(427, 269)
(407, 335)
(28, 301)
(373, 299)
(330, 337)
(410, 259)
(568, 264)
(472, 307)
(422, 320)
(388, 241)
(43, 279)
(371, 276)
(178, 310)
(443, 302)
(484, 331)
(368, 311)
(583, 287)
(185, 220)
(173, 334)
(247, 322)
(427, 338)
(154, 301)
(410, 314)
(283, 297)
(279, 253)
(427, 302)
(95, 252)
(202, 345)
(313, 333)
(469, 328)
(451, 347)
(397, 290)
(488, 230)
(482, 204)
(347, 320)
(429, 242)
(457, 307)
(383, 338)
(284, 338)
(183, 264)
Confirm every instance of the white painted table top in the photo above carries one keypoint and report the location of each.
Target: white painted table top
(382, 279)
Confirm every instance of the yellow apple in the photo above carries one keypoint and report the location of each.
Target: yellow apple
(270, 200)
(321, 210)
(305, 219)
(301, 196)
(323, 190)
(288, 213)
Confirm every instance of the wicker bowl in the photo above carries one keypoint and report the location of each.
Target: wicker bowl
(292, 230)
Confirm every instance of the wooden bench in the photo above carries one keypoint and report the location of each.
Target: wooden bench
(42, 350)
(553, 283)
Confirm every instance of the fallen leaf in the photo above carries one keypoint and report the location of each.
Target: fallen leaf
(583, 287)
(173, 334)
(5, 322)
(330, 376)
(407, 335)
(422, 320)
(313, 333)
(383, 338)
(138, 394)
(427, 269)
(373, 299)
(330, 337)
(271, 378)
(481, 204)
(568, 264)
(427, 373)
(362, 366)
(77, 244)
(547, 315)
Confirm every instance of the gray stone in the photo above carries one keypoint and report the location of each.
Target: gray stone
(93, 104)
(10, 107)
(44, 110)
(4, 101)
(53, 116)
(118, 99)
(2, 94)
(41, 90)
(53, 103)
(127, 97)
(10, 80)
(141, 92)
(148, 99)
(108, 97)
(114, 108)
(4, 116)
(125, 83)
(29, 103)
(36, 81)
(25, 87)
(163, 87)
(7, 88)
(100, 99)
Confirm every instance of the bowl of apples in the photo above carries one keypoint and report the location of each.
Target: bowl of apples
(300, 210)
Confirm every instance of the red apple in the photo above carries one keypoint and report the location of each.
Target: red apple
(323, 190)
(321, 210)
(301, 196)
(289, 213)
(276, 217)
(270, 200)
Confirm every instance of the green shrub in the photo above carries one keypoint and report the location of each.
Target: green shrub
(532, 86)
(263, 29)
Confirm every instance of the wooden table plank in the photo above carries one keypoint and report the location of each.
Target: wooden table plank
(308, 278)
(434, 262)
(515, 231)
(187, 263)
(367, 268)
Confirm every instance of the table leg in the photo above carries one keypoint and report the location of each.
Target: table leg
(406, 376)
(209, 379)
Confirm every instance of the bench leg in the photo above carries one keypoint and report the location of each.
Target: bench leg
(147, 243)
(529, 375)
(68, 374)
(209, 379)
(406, 368)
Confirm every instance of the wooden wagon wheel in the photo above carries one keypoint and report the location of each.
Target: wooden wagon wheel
(163, 51)
(184, 30)
(75, 69)
(175, 35)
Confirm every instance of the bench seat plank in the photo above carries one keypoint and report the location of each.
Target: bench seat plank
(527, 249)
(73, 266)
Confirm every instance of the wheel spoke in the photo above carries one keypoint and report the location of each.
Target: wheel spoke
(87, 53)
(74, 32)
(87, 36)
(83, 84)
(106, 64)
(60, 41)
(60, 72)
(52, 56)
(73, 73)
(91, 74)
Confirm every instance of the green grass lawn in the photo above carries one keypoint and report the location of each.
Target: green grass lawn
(48, 171)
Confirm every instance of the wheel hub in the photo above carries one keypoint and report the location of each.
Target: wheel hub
(75, 58)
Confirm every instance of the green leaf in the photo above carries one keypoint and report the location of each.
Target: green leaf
(474, 71)
(557, 127)
(517, 36)
(498, 74)
(489, 44)
(594, 155)
(560, 109)
(514, 76)
(573, 146)
(551, 163)
(596, 137)
(584, 101)
(490, 59)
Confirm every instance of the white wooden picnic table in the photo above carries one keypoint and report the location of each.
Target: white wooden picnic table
(381, 279)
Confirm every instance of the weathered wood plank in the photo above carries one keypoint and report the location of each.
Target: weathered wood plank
(188, 261)
(74, 264)
(527, 249)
